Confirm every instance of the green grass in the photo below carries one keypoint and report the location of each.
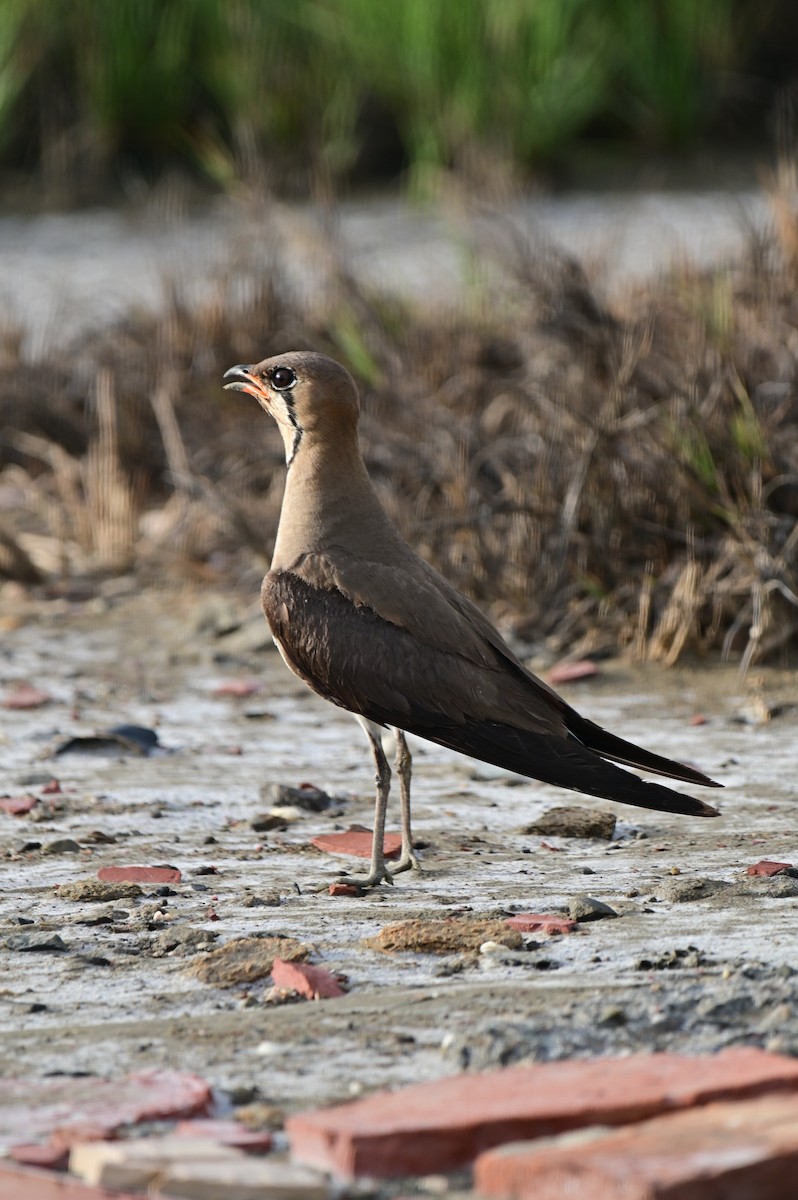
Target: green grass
(90, 87)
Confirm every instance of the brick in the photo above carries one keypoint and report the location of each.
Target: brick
(227, 1133)
(135, 1164)
(313, 982)
(29, 1183)
(238, 687)
(53, 1155)
(345, 889)
(741, 1151)
(17, 806)
(246, 1179)
(434, 1127)
(767, 868)
(26, 696)
(570, 672)
(77, 1109)
(356, 842)
(541, 923)
(139, 875)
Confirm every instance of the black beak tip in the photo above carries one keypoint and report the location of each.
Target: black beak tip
(236, 378)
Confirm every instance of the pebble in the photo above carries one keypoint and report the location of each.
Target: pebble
(61, 846)
(587, 908)
(680, 890)
(94, 891)
(574, 821)
(40, 942)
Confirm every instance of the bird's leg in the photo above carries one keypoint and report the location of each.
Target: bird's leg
(403, 765)
(378, 871)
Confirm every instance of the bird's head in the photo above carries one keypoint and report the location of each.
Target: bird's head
(307, 394)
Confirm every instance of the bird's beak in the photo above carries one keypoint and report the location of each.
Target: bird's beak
(242, 380)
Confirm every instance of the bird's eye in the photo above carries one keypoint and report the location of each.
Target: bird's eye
(283, 378)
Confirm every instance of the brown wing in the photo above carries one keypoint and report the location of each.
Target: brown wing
(467, 696)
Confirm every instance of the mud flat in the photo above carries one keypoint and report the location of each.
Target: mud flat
(700, 954)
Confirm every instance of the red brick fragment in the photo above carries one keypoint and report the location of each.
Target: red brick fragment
(741, 1151)
(69, 1110)
(139, 875)
(17, 806)
(345, 889)
(237, 687)
(766, 867)
(541, 923)
(227, 1133)
(26, 696)
(570, 672)
(28, 1183)
(52, 788)
(356, 842)
(435, 1127)
(52, 1155)
(313, 982)
(698, 719)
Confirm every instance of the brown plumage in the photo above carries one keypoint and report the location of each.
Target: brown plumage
(370, 626)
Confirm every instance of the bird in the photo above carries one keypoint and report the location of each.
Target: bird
(372, 627)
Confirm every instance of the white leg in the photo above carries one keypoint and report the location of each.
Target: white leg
(378, 871)
(403, 765)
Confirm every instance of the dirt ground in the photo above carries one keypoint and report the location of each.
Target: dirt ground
(700, 955)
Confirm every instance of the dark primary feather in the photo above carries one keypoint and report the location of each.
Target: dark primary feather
(359, 660)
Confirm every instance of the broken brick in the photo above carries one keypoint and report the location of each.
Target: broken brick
(26, 696)
(69, 1110)
(570, 672)
(139, 875)
(441, 1126)
(313, 982)
(19, 1182)
(345, 889)
(356, 842)
(17, 806)
(541, 923)
(768, 868)
(741, 1151)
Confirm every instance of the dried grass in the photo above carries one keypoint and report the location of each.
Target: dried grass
(600, 476)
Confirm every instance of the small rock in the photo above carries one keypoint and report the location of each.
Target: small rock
(587, 908)
(258, 1115)
(62, 846)
(94, 891)
(182, 940)
(447, 936)
(574, 821)
(307, 797)
(681, 891)
(268, 823)
(39, 942)
(246, 960)
(270, 900)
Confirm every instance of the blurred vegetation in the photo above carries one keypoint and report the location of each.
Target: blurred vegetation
(609, 474)
(92, 91)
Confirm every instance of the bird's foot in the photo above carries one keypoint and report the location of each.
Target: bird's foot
(375, 877)
(407, 862)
